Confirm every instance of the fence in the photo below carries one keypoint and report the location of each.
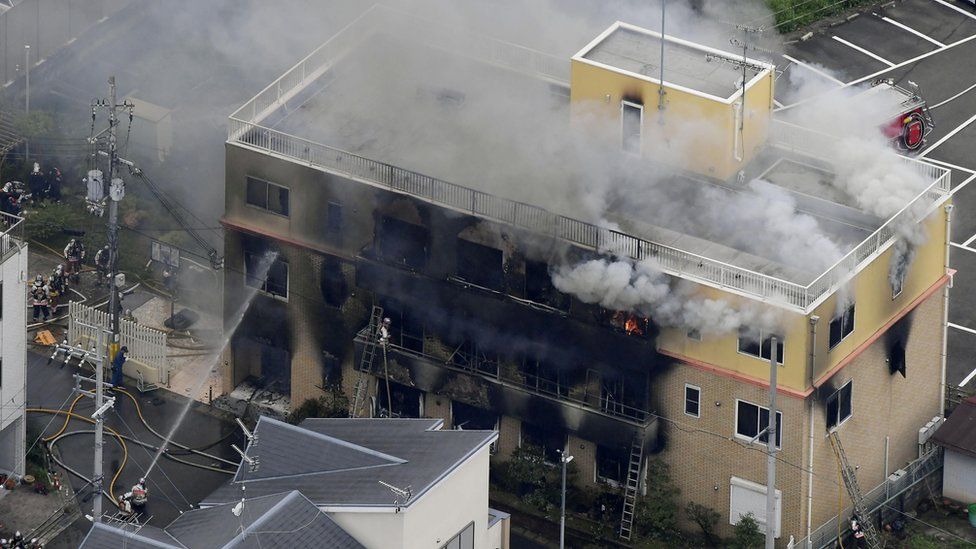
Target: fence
(46, 25)
(147, 347)
(876, 499)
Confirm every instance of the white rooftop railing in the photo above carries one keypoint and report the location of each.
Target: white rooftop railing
(244, 128)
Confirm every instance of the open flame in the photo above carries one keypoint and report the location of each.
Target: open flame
(632, 324)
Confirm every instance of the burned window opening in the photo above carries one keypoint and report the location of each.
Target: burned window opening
(333, 284)
(539, 287)
(612, 464)
(472, 357)
(406, 329)
(331, 369)
(896, 358)
(842, 326)
(751, 419)
(552, 442)
(543, 377)
(402, 243)
(480, 265)
(334, 218)
(750, 344)
(629, 323)
(615, 399)
(471, 418)
(273, 279)
(839, 405)
(407, 401)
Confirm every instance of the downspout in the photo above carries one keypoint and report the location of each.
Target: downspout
(813, 362)
(945, 311)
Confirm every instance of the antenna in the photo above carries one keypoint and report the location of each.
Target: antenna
(251, 437)
(405, 494)
(744, 44)
(660, 89)
(253, 462)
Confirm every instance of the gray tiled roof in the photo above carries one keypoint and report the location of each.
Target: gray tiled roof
(284, 521)
(418, 454)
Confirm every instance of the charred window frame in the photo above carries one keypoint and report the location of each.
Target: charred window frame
(274, 282)
(407, 401)
(539, 287)
(751, 346)
(898, 284)
(631, 126)
(551, 442)
(841, 326)
(406, 329)
(751, 419)
(480, 265)
(840, 406)
(543, 376)
(471, 356)
(694, 334)
(267, 196)
(333, 222)
(692, 400)
(402, 243)
(611, 465)
(465, 417)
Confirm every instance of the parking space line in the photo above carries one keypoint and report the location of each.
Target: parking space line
(960, 186)
(954, 97)
(812, 68)
(912, 60)
(947, 136)
(963, 247)
(969, 240)
(862, 50)
(905, 27)
(957, 8)
(967, 378)
(963, 328)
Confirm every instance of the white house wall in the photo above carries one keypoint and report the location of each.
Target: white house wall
(13, 352)
(959, 477)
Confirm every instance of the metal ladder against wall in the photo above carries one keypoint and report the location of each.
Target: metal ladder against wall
(366, 362)
(871, 534)
(633, 485)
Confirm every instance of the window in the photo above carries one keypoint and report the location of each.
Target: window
(694, 334)
(480, 264)
(539, 288)
(403, 243)
(267, 196)
(551, 440)
(747, 497)
(612, 464)
(841, 326)
(271, 279)
(897, 283)
(692, 400)
(750, 419)
(839, 405)
(631, 119)
(463, 540)
(407, 401)
(750, 345)
(334, 220)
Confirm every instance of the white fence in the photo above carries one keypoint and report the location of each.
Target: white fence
(147, 347)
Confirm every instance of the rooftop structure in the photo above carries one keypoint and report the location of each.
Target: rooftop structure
(13, 354)
(340, 109)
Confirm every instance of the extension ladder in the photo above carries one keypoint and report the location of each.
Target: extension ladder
(632, 486)
(366, 362)
(871, 534)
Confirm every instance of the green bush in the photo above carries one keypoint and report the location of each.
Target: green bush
(746, 534)
(656, 515)
(539, 483)
(793, 14)
(332, 404)
(705, 517)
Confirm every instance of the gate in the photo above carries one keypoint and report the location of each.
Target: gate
(147, 360)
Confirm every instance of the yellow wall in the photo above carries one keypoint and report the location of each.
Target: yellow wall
(874, 308)
(698, 133)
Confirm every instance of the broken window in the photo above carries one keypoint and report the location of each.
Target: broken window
(752, 419)
(471, 356)
(333, 283)
(271, 279)
(750, 345)
(612, 464)
(896, 358)
(624, 396)
(692, 400)
(471, 418)
(629, 323)
(551, 441)
(631, 118)
(407, 401)
(539, 288)
(406, 328)
(897, 283)
(331, 369)
(543, 376)
(839, 405)
(479, 264)
(267, 196)
(841, 326)
(401, 242)
(334, 217)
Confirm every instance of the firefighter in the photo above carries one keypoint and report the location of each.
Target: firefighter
(54, 185)
(858, 531)
(125, 504)
(384, 331)
(74, 252)
(36, 183)
(117, 363)
(40, 299)
(101, 264)
(140, 495)
(57, 286)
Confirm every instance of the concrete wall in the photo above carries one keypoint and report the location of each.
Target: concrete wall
(959, 477)
(13, 358)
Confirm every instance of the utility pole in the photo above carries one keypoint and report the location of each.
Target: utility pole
(564, 459)
(27, 97)
(660, 89)
(771, 446)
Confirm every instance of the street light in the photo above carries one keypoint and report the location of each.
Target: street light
(564, 459)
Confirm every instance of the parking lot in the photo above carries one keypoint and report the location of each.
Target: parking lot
(931, 43)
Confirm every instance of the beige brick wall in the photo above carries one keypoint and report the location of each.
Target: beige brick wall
(584, 456)
(438, 406)
(304, 318)
(509, 431)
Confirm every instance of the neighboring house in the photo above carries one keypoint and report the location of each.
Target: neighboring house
(389, 483)
(378, 173)
(958, 436)
(287, 520)
(13, 346)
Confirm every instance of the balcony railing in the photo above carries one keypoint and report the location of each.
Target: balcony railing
(244, 128)
(489, 369)
(11, 235)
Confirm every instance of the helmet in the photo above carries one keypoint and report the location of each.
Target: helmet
(386, 320)
(142, 480)
(105, 247)
(72, 241)
(38, 278)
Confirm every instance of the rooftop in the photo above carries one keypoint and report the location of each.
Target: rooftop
(958, 433)
(637, 51)
(284, 520)
(468, 123)
(340, 462)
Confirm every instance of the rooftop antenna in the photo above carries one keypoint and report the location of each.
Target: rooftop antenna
(660, 90)
(251, 437)
(238, 509)
(744, 44)
(252, 462)
(400, 493)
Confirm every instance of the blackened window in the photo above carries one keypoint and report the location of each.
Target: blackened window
(750, 344)
(406, 326)
(267, 196)
(406, 400)
(631, 115)
(539, 288)
(839, 405)
(334, 214)
(543, 376)
(751, 419)
(612, 463)
(272, 279)
(402, 242)
(551, 440)
(480, 264)
(897, 283)
(841, 326)
(692, 400)
(472, 418)
(333, 283)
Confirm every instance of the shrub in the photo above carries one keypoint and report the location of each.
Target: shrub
(746, 534)
(656, 515)
(705, 517)
(332, 404)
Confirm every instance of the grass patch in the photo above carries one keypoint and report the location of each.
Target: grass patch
(793, 14)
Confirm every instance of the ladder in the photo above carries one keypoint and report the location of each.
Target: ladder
(633, 484)
(366, 362)
(871, 535)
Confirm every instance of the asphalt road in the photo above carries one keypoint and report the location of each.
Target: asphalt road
(932, 43)
(173, 487)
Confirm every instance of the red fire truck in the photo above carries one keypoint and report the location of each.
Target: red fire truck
(909, 121)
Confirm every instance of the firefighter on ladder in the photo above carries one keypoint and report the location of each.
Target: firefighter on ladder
(384, 332)
(858, 531)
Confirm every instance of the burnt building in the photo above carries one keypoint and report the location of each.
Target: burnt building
(447, 180)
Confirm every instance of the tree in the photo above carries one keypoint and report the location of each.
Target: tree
(705, 517)
(656, 515)
(746, 534)
(332, 404)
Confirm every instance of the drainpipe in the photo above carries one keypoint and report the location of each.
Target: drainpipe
(813, 362)
(945, 313)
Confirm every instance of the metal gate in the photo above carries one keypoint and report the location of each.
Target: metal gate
(147, 359)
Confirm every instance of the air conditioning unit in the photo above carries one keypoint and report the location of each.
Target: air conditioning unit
(926, 432)
(896, 476)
